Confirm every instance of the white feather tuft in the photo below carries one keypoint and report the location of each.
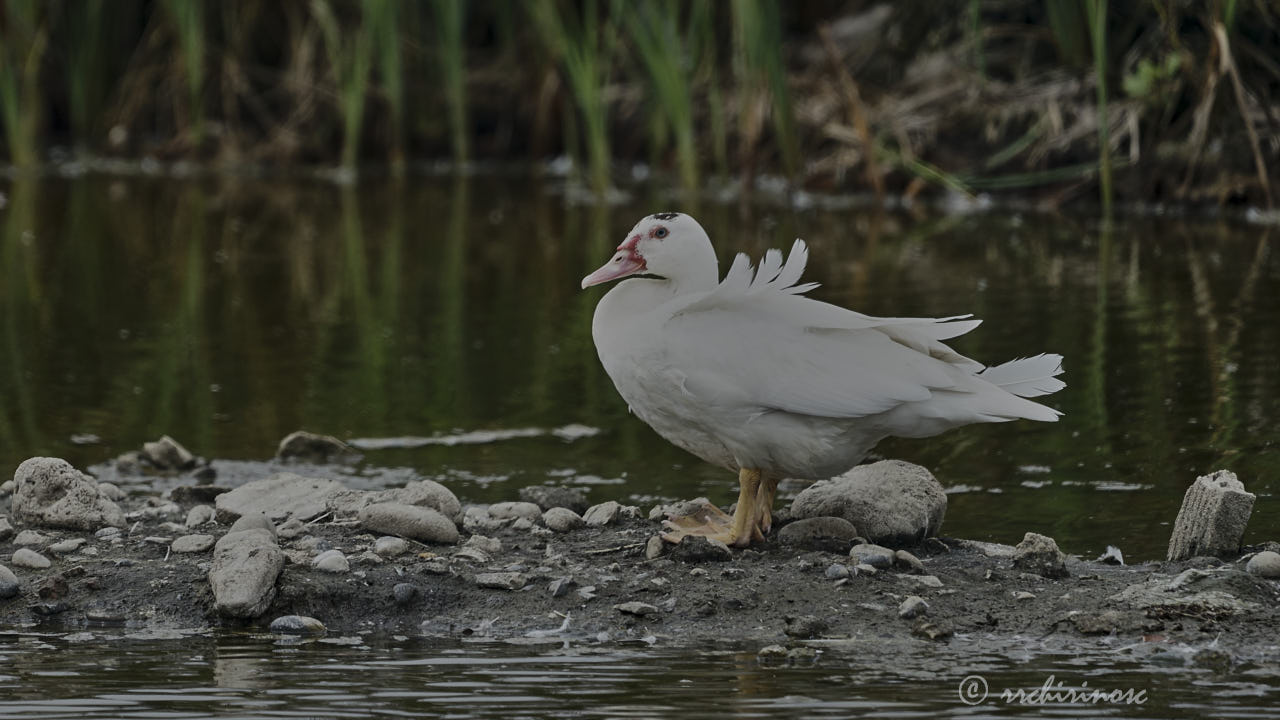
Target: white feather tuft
(1027, 377)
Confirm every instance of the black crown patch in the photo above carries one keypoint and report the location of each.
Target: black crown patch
(665, 216)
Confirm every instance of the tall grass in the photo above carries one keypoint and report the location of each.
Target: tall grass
(757, 36)
(583, 44)
(450, 17)
(1097, 11)
(654, 29)
(349, 61)
(383, 18)
(187, 17)
(21, 52)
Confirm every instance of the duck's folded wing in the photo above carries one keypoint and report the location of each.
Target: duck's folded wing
(755, 342)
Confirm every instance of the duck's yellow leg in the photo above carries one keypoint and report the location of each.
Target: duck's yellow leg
(764, 504)
(737, 531)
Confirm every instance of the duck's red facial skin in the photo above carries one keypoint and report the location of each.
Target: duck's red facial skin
(627, 261)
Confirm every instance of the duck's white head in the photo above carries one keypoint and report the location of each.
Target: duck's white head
(668, 246)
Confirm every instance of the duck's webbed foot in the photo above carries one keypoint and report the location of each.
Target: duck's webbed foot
(738, 530)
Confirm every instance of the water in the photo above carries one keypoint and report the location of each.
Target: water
(228, 313)
(238, 676)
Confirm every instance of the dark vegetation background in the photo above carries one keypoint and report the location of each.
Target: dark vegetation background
(1169, 101)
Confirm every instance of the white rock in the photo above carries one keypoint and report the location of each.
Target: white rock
(331, 561)
(1265, 564)
(890, 502)
(411, 521)
(515, 510)
(388, 546)
(32, 538)
(192, 543)
(562, 520)
(27, 558)
(69, 545)
(199, 515)
(244, 571)
(603, 514)
(52, 493)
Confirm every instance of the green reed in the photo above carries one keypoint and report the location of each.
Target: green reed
(583, 44)
(383, 18)
(757, 37)
(187, 17)
(23, 43)
(654, 30)
(450, 24)
(349, 62)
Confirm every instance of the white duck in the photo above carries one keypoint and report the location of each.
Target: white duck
(748, 374)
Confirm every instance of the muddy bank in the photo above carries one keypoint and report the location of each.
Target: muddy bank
(510, 576)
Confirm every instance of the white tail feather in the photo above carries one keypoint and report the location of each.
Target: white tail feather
(1027, 377)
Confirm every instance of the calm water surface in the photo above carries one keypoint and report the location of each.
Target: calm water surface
(228, 313)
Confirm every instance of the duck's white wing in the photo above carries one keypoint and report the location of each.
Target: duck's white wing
(756, 342)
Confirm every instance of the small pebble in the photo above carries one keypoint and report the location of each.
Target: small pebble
(873, 555)
(157, 540)
(1023, 595)
(606, 513)
(562, 520)
(635, 608)
(907, 561)
(69, 545)
(404, 593)
(192, 543)
(253, 521)
(912, 607)
(8, 583)
(6, 530)
(654, 547)
(388, 546)
(291, 528)
(110, 491)
(1265, 564)
(297, 625)
(27, 558)
(515, 510)
(772, 652)
(107, 532)
(492, 546)
(199, 515)
(33, 538)
(836, 571)
(931, 581)
(805, 627)
(865, 569)
(501, 580)
(331, 561)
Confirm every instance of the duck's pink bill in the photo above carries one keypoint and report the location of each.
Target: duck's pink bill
(622, 264)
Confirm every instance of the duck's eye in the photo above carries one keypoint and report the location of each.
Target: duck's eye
(660, 233)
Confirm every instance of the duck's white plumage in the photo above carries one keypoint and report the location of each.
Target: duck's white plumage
(749, 373)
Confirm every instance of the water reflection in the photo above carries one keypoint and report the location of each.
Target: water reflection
(228, 313)
(237, 676)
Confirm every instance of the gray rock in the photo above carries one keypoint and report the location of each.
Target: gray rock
(491, 546)
(411, 521)
(52, 493)
(1193, 593)
(502, 580)
(562, 520)
(192, 543)
(254, 521)
(1214, 513)
(6, 488)
(244, 571)
(423, 493)
(290, 529)
(31, 538)
(390, 546)
(606, 513)
(873, 555)
(1265, 564)
(890, 502)
(168, 454)
(311, 447)
(6, 530)
(199, 515)
(865, 569)
(9, 585)
(551, 496)
(107, 533)
(471, 554)
(280, 497)
(67, 546)
(404, 593)
(297, 625)
(914, 606)
(28, 558)
(1040, 555)
(331, 561)
(930, 581)
(772, 653)
(804, 627)
(837, 571)
(829, 534)
(1023, 595)
(515, 510)
(639, 609)
(110, 491)
(697, 548)
(476, 519)
(654, 547)
(908, 562)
